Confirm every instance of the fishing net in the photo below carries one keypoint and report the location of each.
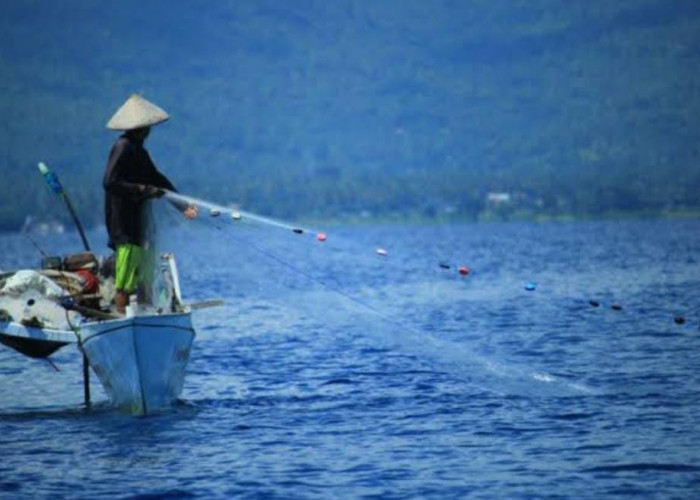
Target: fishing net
(156, 287)
(382, 284)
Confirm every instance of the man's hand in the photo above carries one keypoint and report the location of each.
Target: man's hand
(151, 191)
(155, 192)
(191, 212)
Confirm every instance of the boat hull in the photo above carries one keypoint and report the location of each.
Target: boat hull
(140, 361)
(33, 341)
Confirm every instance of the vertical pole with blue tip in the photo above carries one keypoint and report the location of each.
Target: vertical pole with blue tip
(52, 180)
(56, 187)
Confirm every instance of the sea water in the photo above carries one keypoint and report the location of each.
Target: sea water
(336, 372)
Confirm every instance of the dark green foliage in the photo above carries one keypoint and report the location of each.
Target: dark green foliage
(406, 108)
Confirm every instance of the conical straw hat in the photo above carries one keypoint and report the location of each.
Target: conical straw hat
(136, 112)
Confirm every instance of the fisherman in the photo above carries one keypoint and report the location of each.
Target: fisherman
(130, 180)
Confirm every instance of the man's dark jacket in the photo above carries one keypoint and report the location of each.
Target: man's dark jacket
(129, 167)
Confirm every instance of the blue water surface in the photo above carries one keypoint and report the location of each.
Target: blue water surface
(336, 372)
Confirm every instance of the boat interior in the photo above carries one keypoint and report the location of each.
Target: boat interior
(72, 290)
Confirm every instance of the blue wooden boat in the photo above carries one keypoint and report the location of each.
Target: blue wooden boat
(140, 359)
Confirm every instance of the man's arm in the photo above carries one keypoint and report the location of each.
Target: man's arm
(155, 178)
(114, 176)
(158, 182)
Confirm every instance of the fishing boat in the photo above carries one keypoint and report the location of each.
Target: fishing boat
(140, 358)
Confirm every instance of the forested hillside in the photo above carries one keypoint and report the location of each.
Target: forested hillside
(336, 108)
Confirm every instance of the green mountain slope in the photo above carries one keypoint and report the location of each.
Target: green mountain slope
(327, 108)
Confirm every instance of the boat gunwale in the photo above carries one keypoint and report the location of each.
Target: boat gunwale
(130, 323)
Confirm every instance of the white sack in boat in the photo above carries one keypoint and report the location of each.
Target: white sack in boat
(25, 280)
(32, 305)
(31, 296)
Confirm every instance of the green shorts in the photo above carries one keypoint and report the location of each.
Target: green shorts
(129, 259)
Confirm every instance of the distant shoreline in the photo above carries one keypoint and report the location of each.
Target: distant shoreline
(491, 219)
(483, 218)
